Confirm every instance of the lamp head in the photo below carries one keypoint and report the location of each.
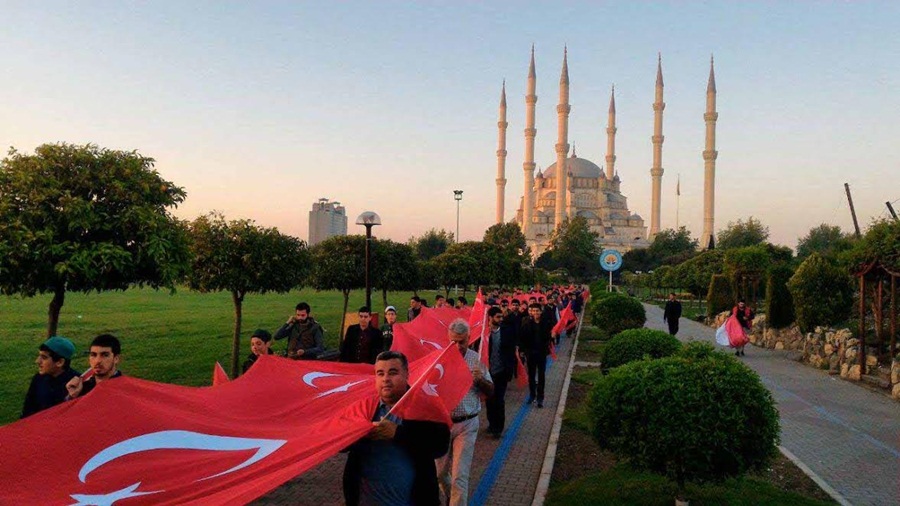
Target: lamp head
(457, 194)
(368, 218)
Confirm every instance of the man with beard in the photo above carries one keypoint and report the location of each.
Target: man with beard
(362, 343)
(104, 361)
(306, 339)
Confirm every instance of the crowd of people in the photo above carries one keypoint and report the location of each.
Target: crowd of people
(398, 461)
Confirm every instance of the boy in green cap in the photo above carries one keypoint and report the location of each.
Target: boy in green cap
(48, 386)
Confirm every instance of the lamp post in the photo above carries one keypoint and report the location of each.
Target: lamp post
(457, 195)
(368, 219)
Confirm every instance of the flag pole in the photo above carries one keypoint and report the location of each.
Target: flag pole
(678, 203)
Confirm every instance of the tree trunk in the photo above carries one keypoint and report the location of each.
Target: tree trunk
(344, 313)
(384, 297)
(238, 300)
(59, 298)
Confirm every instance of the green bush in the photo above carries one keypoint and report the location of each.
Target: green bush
(822, 293)
(697, 416)
(617, 313)
(720, 296)
(779, 303)
(635, 344)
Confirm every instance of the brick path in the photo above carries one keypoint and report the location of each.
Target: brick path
(846, 434)
(516, 470)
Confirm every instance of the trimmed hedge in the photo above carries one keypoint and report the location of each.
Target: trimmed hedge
(779, 303)
(697, 416)
(616, 313)
(635, 344)
(822, 293)
(720, 296)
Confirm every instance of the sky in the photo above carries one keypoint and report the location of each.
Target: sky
(258, 109)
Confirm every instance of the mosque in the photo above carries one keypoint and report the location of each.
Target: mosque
(574, 186)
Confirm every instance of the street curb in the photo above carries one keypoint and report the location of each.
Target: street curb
(543, 485)
(815, 477)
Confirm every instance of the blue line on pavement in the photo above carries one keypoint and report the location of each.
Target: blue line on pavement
(486, 483)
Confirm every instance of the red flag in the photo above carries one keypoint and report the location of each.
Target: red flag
(152, 443)
(438, 383)
(566, 317)
(220, 377)
(419, 337)
(521, 373)
(484, 350)
(476, 318)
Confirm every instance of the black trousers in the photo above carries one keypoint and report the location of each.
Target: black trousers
(537, 369)
(673, 326)
(496, 404)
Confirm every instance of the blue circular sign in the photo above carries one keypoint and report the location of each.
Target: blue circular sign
(610, 260)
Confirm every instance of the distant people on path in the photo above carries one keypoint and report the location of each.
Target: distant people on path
(535, 336)
(672, 313)
(453, 469)
(387, 328)
(502, 353)
(461, 302)
(415, 307)
(439, 301)
(394, 463)
(48, 385)
(103, 358)
(744, 316)
(259, 345)
(362, 343)
(306, 338)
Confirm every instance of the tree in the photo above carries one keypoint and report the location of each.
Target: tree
(508, 237)
(84, 218)
(822, 293)
(742, 233)
(747, 266)
(395, 267)
(431, 244)
(452, 269)
(672, 243)
(826, 240)
(339, 263)
(695, 274)
(638, 260)
(575, 248)
(242, 258)
(497, 265)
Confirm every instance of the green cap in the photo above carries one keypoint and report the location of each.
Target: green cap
(61, 346)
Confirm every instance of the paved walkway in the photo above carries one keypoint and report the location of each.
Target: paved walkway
(505, 472)
(844, 433)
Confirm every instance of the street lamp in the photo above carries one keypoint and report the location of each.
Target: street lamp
(369, 220)
(457, 195)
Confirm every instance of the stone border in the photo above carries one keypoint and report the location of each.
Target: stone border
(814, 477)
(543, 485)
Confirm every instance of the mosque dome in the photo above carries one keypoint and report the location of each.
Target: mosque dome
(577, 167)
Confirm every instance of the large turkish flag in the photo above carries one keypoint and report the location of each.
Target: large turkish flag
(132, 441)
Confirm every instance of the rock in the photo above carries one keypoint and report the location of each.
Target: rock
(871, 361)
(895, 372)
(845, 369)
(834, 363)
(853, 373)
(895, 393)
(851, 354)
(876, 381)
(815, 361)
(829, 349)
(829, 336)
(852, 342)
(779, 345)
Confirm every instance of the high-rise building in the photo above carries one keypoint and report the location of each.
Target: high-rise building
(326, 219)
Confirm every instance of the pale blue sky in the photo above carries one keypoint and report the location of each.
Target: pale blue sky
(260, 109)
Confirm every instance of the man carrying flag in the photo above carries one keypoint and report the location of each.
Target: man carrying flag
(394, 462)
(453, 468)
(500, 356)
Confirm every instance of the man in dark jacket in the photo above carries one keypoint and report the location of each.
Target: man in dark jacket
(672, 313)
(502, 352)
(394, 462)
(306, 339)
(103, 357)
(534, 342)
(362, 342)
(48, 386)
(387, 328)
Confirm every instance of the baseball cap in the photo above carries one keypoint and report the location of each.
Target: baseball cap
(61, 346)
(390, 308)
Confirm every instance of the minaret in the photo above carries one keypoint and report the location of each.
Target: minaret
(709, 163)
(611, 137)
(530, 132)
(562, 144)
(501, 154)
(657, 171)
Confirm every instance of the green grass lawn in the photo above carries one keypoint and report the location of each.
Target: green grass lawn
(168, 338)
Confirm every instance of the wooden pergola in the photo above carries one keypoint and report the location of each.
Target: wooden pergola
(877, 274)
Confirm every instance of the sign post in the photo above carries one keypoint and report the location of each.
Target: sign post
(611, 261)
